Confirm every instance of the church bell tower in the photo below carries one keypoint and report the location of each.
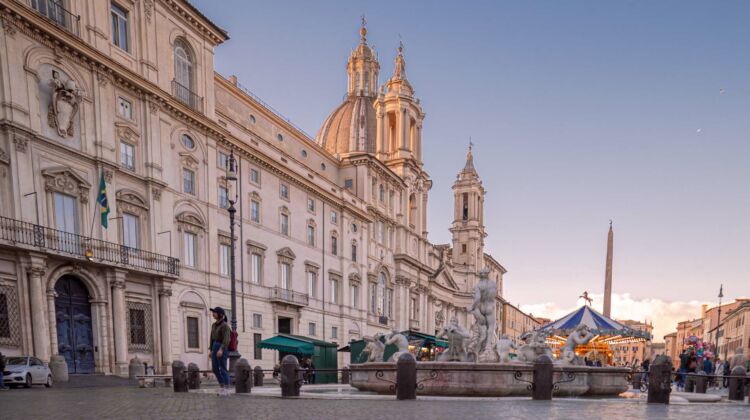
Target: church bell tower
(468, 218)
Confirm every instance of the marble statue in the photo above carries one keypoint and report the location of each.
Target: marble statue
(503, 346)
(374, 348)
(739, 358)
(580, 337)
(457, 337)
(66, 97)
(536, 345)
(483, 310)
(400, 341)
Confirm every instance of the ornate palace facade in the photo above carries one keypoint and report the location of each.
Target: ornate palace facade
(331, 237)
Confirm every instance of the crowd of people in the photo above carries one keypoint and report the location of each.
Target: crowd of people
(716, 369)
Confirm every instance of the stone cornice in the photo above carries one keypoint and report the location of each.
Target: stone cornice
(197, 20)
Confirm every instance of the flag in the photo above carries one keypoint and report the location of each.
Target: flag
(102, 200)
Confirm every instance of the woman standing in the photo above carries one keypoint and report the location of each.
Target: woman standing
(220, 336)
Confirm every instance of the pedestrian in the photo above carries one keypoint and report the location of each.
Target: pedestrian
(727, 371)
(684, 359)
(718, 371)
(2, 368)
(220, 336)
(645, 366)
(311, 367)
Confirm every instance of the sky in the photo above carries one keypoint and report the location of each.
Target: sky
(579, 111)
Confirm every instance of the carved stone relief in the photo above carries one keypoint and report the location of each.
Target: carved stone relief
(66, 98)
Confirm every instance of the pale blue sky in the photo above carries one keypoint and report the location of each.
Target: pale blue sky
(580, 112)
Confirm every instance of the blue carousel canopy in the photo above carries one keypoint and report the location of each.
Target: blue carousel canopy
(596, 322)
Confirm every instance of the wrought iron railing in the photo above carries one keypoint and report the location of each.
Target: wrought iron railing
(187, 96)
(273, 110)
(289, 296)
(57, 241)
(60, 16)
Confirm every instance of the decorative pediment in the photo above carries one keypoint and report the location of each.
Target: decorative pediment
(255, 196)
(67, 181)
(127, 133)
(130, 201)
(445, 279)
(286, 252)
(355, 278)
(255, 247)
(187, 160)
(190, 222)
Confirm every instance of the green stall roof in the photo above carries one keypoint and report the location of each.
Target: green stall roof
(295, 344)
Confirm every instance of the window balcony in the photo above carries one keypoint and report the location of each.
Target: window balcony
(289, 297)
(20, 234)
(57, 14)
(187, 96)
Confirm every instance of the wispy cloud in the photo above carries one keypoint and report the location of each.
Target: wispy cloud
(663, 314)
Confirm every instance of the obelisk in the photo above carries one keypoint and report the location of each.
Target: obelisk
(608, 274)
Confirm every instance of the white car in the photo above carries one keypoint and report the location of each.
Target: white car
(26, 371)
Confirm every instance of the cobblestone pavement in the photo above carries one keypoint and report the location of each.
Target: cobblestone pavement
(162, 403)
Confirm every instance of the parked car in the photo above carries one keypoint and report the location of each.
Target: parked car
(26, 371)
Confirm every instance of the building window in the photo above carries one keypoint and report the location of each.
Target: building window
(335, 332)
(137, 318)
(187, 141)
(463, 248)
(389, 303)
(285, 275)
(224, 255)
(311, 329)
(66, 213)
(334, 291)
(334, 218)
(183, 69)
(312, 283)
(284, 224)
(193, 334)
(223, 197)
(223, 161)
(311, 205)
(255, 211)
(188, 181)
(130, 230)
(354, 296)
(124, 108)
(414, 308)
(279, 137)
(390, 237)
(348, 183)
(4, 316)
(127, 155)
(191, 253)
(381, 194)
(310, 235)
(257, 351)
(381, 234)
(334, 245)
(382, 295)
(374, 298)
(256, 272)
(354, 252)
(284, 191)
(303, 152)
(257, 321)
(119, 26)
(255, 176)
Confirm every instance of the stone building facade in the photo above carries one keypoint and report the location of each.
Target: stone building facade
(331, 235)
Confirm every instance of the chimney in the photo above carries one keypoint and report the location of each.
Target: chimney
(704, 308)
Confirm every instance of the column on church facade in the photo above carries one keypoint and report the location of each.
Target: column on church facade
(52, 321)
(38, 304)
(119, 321)
(379, 136)
(165, 294)
(100, 317)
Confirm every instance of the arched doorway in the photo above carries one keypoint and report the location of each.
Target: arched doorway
(74, 331)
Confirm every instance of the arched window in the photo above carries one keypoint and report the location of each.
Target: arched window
(381, 294)
(183, 65)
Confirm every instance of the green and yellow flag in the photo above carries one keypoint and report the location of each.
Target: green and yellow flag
(102, 200)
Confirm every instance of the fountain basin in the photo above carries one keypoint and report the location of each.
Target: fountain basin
(490, 379)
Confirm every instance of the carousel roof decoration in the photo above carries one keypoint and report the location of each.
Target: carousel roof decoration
(605, 329)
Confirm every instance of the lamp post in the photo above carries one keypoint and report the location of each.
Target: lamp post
(232, 176)
(718, 322)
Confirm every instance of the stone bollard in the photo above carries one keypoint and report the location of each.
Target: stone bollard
(737, 384)
(290, 377)
(542, 386)
(59, 368)
(179, 378)
(690, 382)
(345, 373)
(258, 376)
(636, 379)
(136, 368)
(243, 377)
(660, 380)
(406, 377)
(701, 383)
(193, 376)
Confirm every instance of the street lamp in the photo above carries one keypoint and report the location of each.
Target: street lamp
(718, 322)
(232, 176)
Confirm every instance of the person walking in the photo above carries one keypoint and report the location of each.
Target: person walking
(718, 371)
(219, 347)
(727, 371)
(2, 368)
(684, 359)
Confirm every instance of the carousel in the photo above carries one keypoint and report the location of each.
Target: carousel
(606, 334)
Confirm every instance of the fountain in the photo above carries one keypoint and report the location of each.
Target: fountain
(478, 363)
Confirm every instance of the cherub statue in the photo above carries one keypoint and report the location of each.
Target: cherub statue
(504, 346)
(400, 341)
(374, 348)
(457, 337)
(580, 337)
(535, 346)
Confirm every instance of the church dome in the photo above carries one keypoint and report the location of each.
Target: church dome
(350, 127)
